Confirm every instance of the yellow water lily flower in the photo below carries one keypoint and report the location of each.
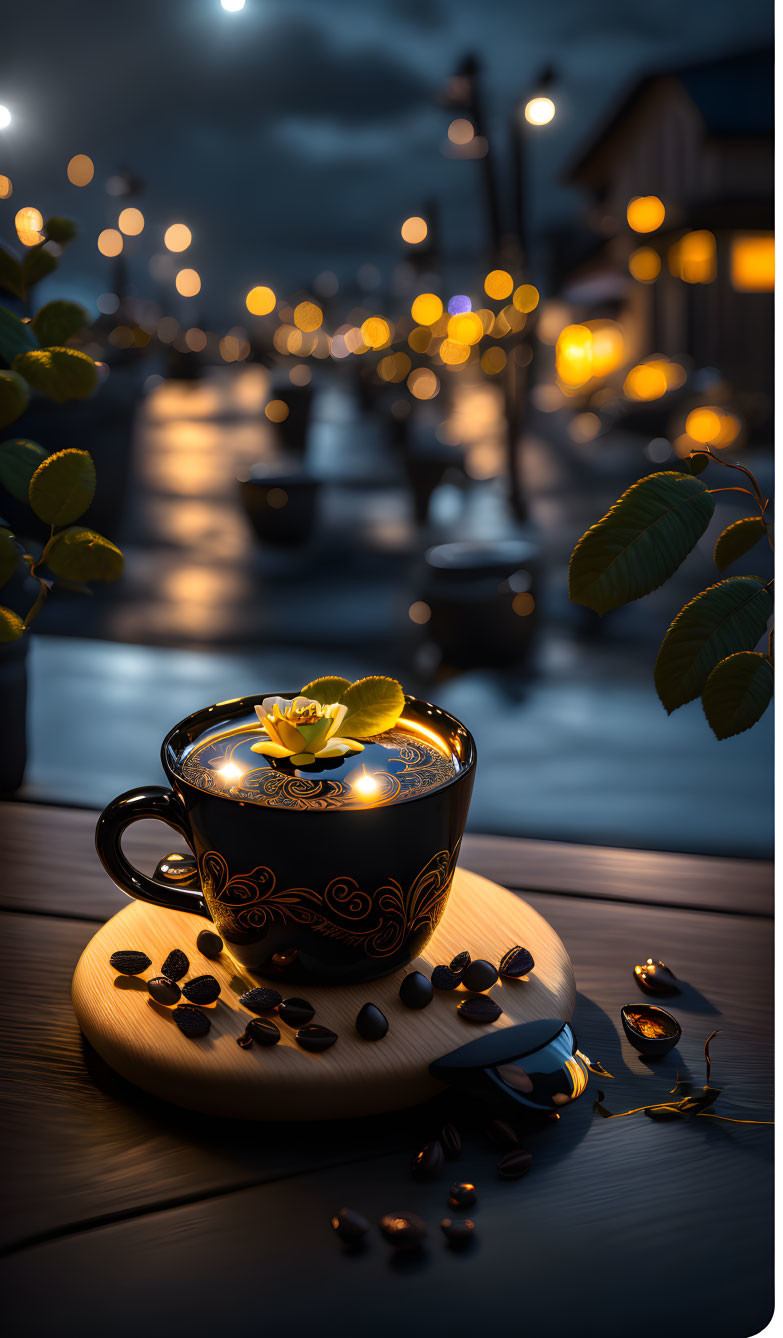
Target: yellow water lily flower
(303, 730)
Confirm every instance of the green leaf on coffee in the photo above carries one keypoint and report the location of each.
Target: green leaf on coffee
(62, 487)
(374, 705)
(326, 690)
(78, 554)
(737, 693)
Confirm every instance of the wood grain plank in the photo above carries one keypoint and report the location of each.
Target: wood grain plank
(80, 1143)
(50, 865)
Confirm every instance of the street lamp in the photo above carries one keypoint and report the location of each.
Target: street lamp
(5, 117)
(536, 109)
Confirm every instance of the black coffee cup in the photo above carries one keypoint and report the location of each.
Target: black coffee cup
(331, 894)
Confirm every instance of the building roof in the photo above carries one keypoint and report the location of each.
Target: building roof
(734, 95)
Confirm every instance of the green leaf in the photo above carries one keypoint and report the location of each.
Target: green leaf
(60, 230)
(19, 460)
(9, 556)
(374, 705)
(326, 690)
(11, 626)
(640, 542)
(728, 617)
(11, 280)
(697, 462)
(15, 336)
(14, 397)
(738, 539)
(737, 693)
(37, 264)
(62, 487)
(77, 554)
(56, 322)
(61, 373)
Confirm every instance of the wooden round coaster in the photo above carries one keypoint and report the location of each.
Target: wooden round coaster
(140, 1040)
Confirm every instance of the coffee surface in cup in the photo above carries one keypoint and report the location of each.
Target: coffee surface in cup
(404, 763)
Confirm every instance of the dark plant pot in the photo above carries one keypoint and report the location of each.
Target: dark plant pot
(13, 714)
(281, 507)
(477, 593)
(294, 429)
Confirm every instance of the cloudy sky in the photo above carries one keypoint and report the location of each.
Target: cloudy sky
(295, 136)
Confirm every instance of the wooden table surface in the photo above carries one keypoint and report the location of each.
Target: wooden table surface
(124, 1212)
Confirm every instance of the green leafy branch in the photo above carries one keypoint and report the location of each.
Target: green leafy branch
(59, 487)
(709, 649)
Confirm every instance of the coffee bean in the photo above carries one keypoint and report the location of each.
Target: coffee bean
(479, 976)
(129, 963)
(261, 999)
(164, 991)
(209, 944)
(462, 1195)
(260, 1030)
(416, 990)
(443, 978)
(176, 965)
(350, 1226)
(201, 990)
(514, 1165)
(459, 963)
(428, 1164)
(315, 1038)
(371, 1023)
(191, 1021)
(405, 1231)
(450, 1141)
(479, 1008)
(295, 1012)
(245, 1041)
(502, 1135)
(516, 962)
(458, 1231)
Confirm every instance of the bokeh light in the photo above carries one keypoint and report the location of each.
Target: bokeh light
(420, 338)
(712, 426)
(232, 6)
(427, 308)
(466, 328)
(5, 117)
(540, 111)
(452, 352)
(647, 381)
(195, 339)
(525, 298)
(498, 285)
(493, 360)
(414, 230)
(28, 223)
(260, 301)
(458, 303)
(80, 170)
(694, 257)
(178, 237)
(523, 604)
(308, 316)
(131, 222)
(644, 264)
(419, 612)
(645, 213)
(188, 282)
(300, 375)
(375, 332)
(461, 131)
(276, 411)
(6, 188)
(753, 263)
(110, 242)
(423, 383)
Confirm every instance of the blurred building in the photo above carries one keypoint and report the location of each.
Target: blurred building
(680, 183)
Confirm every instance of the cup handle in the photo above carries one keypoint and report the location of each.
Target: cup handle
(154, 801)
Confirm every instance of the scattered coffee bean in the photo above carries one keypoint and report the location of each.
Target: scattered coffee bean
(458, 1231)
(261, 999)
(260, 1030)
(479, 976)
(459, 963)
(129, 963)
(350, 1226)
(502, 1135)
(201, 990)
(245, 1041)
(514, 1165)
(295, 1012)
(428, 1164)
(450, 1141)
(191, 1021)
(164, 991)
(405, 1231)
(479, 1009)
(462, 1195)
(176, 965)
(416, 990)
(315, 1037)
(443, 978)
(516, 962)
(371, 1023)
(209, 944)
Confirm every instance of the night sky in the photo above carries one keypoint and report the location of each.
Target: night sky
(295, 136)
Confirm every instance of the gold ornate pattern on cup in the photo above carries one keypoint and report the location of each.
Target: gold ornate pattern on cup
(423, 769)
(379, 922)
